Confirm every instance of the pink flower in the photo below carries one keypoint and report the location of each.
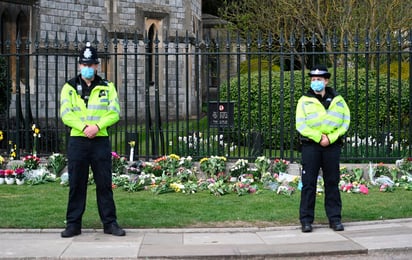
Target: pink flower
(8, 172)
(348, 187)
(19, 171)
(115, 155)
(363, 189)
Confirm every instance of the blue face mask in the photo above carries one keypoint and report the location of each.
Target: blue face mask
(317, 85)
(87, 72)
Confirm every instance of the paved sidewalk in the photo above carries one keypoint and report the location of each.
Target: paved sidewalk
(391, 239)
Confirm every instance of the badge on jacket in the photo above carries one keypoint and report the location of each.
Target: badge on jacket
(102, 93)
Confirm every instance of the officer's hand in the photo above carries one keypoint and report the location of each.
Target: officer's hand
(324, 141)
(91, 131)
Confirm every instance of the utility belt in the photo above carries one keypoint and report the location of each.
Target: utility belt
(306, 140)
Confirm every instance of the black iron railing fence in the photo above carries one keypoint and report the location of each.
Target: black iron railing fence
(197, 97)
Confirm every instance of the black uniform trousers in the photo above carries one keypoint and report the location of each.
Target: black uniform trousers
(82, 154)
(314, 157)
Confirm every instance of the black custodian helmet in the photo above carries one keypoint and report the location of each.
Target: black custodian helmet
(319, 71)
(88, 55)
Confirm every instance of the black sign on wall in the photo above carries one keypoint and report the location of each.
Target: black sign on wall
(220, 114)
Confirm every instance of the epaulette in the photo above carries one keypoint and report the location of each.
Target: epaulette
(72, 82)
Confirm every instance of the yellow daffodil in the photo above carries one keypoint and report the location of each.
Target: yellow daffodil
(203, 160)
(174, 156)
(36, 132)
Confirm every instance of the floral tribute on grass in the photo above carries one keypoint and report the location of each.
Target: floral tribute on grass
(28, 170)
(352, 181)
(173, 173)
(381, 177)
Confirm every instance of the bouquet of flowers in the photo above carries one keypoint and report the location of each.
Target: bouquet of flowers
(9, 173)
(186, 162)
(285, 189)
(406, 165)
(31, 162)
(213, 165)
(243, 188)
(280, 165)
(19, 172)
(162, 185)
(2, 161)
(262, 164)
(381, 170)
(36, 136)
(131, 155)
(218, 188)
(118, 163)
(13, 150)
(360, 188)
(169, 164)
(190, 187)
(177, 186)
(57, 162)
(385, 187)
(239, 168)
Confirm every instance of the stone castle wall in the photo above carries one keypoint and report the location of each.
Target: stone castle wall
(54, 23)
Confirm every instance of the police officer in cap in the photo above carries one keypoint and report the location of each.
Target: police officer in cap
(88, 106)
(322, 118)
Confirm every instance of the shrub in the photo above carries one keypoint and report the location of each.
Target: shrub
(254, 66)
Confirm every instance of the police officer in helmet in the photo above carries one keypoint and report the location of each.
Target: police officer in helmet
(88, 106)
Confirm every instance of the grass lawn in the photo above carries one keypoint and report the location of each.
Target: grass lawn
(44, 206)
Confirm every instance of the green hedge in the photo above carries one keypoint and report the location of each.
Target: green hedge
(376, 103)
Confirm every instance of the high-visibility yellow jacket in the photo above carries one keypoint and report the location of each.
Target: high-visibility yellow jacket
(102, 109)
(313, 119)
